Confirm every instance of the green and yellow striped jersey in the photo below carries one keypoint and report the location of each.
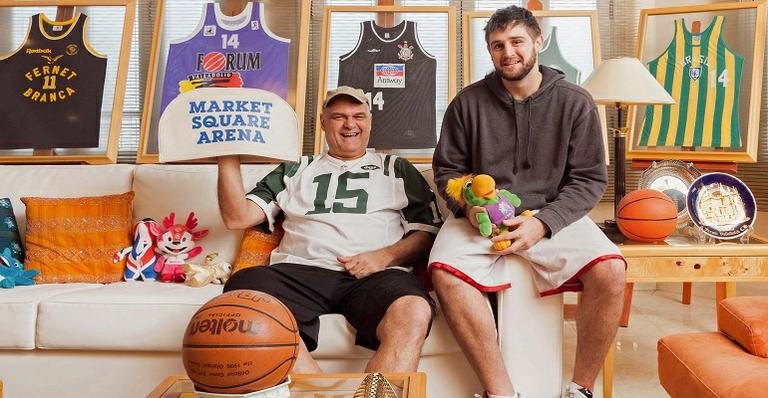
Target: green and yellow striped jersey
(703, 75)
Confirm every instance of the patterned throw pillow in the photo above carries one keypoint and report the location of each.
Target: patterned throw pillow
(9, 231)
(74, 239)
(256, 247)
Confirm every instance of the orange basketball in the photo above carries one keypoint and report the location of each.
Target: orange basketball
(647, 215)
(239, 342)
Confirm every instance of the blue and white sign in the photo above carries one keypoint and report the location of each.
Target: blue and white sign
(210, 122)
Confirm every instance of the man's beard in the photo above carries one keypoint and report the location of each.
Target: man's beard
(527, 67)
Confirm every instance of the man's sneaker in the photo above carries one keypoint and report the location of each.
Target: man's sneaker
(573, 392)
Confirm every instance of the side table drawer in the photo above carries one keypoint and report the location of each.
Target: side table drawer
(700, 269)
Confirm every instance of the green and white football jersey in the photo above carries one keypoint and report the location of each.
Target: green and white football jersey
(342, 208)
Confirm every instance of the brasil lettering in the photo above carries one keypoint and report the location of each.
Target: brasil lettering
(222, 121)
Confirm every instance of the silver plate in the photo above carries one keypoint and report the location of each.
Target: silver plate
(674, 178)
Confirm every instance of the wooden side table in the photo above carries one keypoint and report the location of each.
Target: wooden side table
(723, 263)
(410, 385)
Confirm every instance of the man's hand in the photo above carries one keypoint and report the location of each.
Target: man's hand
(364, 264)
(471, 213)
(524, 232)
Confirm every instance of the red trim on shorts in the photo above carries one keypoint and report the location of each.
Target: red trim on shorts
(574, 284)
(466, 278)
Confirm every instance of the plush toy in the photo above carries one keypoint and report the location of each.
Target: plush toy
(141, 254)
(211, 271)
(176, 245)
(480, 190)
(12, 272)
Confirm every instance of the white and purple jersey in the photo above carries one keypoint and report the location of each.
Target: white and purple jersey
(224, 51)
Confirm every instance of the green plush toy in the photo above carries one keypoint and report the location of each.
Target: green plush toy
(480, 190)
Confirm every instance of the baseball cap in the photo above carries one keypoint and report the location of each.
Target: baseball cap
(356, 93)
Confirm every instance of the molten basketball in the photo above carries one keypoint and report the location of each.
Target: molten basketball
(647, 215)
(239, 342)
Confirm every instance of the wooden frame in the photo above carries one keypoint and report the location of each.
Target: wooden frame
(416, 156)
(110, 152)
(581, 22)
(148, 151)
(744, 34)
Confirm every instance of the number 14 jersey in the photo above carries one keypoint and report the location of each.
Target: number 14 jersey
(341, 208)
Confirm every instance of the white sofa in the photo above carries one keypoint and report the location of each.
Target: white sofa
(122, 339)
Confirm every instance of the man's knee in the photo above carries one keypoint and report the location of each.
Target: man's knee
(409, 315)
(608, 275)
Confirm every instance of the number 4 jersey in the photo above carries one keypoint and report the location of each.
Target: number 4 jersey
(224, 51)
(52, 88)
(398, 75)
(703, 76)
(342, 208)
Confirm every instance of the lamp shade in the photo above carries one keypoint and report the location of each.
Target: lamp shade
(625, 80)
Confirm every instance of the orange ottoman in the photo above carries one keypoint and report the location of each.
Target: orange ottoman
(730, 363)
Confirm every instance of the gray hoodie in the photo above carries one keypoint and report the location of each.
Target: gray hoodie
(547, 148)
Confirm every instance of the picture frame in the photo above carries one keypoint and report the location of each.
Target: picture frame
(436, 38)
(117, 71)
(718, 92)
(572, 25)
(298, 33)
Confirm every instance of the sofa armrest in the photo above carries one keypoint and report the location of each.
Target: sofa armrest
(745, 321)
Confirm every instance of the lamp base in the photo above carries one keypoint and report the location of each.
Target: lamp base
(611, 230)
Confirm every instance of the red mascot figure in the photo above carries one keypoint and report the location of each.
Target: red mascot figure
(176, 245)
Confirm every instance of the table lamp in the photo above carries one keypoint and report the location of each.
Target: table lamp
(621, 82)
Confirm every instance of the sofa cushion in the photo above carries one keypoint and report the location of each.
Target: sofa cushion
(256, 247)
(161, 189)
(75, 239)
(723, 369)
(18, 311)
(62, 181)
(745, 320)
(122, 316)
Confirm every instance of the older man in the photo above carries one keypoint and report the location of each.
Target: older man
(355, 223)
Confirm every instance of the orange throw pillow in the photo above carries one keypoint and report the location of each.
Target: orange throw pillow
(256, 247)
(74, 239)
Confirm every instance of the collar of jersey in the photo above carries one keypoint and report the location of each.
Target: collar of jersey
(71, 22)
(220, 16)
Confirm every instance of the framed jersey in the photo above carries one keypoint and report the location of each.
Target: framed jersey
(224, 43)
(404, 58)
(571, 45)
(63, 71)
(710, 60)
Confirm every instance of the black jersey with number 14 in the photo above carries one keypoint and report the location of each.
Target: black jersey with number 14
(52, 88)
(398, 75)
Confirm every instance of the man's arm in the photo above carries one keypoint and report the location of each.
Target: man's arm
(452, 156)
(586, 177)
(236, 211)
(413, 247)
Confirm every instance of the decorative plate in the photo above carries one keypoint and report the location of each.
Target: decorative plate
(721, 205)
(674, 178)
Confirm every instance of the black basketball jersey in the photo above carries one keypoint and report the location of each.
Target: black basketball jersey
(398, 76)
(52, 88)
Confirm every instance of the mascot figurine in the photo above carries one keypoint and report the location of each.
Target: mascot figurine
(12, 272)
(176, 245)
(480, 190)
(141, 254)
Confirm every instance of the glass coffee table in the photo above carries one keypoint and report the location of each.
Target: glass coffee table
(329, 385)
